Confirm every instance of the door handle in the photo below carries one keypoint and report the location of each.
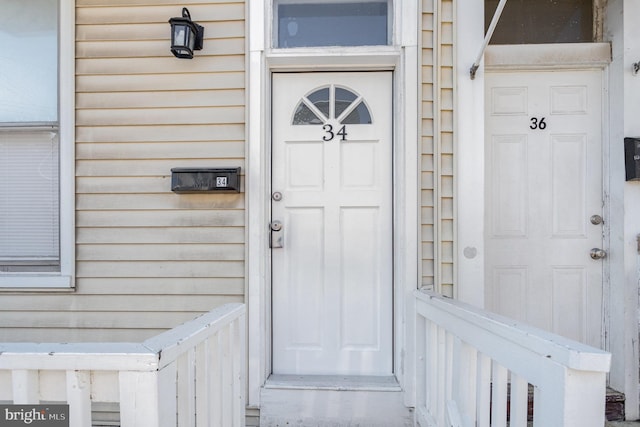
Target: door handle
(276, 235)
(597, 253)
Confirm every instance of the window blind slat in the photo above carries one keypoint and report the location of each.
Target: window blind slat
(29, 196)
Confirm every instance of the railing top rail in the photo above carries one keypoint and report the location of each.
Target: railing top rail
(474, 324)
(170, 344)
(77, 356)
(149, 355)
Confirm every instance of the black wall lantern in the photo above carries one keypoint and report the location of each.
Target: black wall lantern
(186, 35)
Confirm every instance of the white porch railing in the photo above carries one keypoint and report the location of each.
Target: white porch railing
(190, 375)
(475, 368)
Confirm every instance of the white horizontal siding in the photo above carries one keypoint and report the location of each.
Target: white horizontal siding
(137, 168)
(160, 235)
(147, 258)
(183, 218)
(149, 252)
(163, 286)
(157, 82)
(154, 31)
(160, 133)
(172, 99)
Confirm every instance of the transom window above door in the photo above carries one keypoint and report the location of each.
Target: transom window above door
(543, 21)
(303, 23)
(332, 102)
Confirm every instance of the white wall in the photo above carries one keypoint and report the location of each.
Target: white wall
(624, 201)
(469, 131)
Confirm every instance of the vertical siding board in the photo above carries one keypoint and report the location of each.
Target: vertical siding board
(438, 240)
(447, 224)
(427, 184)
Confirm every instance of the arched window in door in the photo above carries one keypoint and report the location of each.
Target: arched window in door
(332, 102)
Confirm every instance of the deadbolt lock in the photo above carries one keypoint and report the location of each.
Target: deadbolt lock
(276, 237)
(276, 226)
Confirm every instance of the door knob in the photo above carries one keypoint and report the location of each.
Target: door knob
(596, 219)
(597, 253)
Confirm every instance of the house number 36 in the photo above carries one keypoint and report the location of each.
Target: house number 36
(538, 124)
(330, 134)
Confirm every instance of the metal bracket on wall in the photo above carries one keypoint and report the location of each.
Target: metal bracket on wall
(636, 68)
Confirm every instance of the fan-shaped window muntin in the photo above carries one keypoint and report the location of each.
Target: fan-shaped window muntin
(332, 102)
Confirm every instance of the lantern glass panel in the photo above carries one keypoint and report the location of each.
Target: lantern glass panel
(179, 34)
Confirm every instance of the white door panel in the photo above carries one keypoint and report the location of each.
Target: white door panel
(544, 182)
(332, 278)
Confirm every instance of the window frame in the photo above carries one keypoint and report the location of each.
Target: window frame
(63, 279)
(273, 25)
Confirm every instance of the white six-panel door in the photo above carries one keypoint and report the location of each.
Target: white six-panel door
(332, 206)
(543, 185)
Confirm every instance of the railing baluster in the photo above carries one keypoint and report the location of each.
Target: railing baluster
(79, 398)
(216, 376)
(465, 384)
(519, 401)
(238, 394)
(226, 375)
(441, 376)
(167, 395)
(139, 399)
(203, 380)
(26, 386)
(484, 391)
(448, 382)
(499, 396)
(432, 381)
(422, 334)
(186, 401)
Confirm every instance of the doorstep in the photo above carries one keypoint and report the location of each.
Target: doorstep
(291, 400)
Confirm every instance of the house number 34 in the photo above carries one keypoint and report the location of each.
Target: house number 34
(329, 134)
(538, 124)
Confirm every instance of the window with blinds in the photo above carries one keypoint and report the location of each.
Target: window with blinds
(29, 142)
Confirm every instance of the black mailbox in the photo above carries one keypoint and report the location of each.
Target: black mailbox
(632, 158)
(202, 180)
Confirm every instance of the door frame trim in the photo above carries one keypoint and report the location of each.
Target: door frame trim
(401, 58)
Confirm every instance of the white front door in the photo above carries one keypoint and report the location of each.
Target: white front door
(544, 199)
(332, 215)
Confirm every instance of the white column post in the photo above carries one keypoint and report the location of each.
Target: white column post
(469, 152)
